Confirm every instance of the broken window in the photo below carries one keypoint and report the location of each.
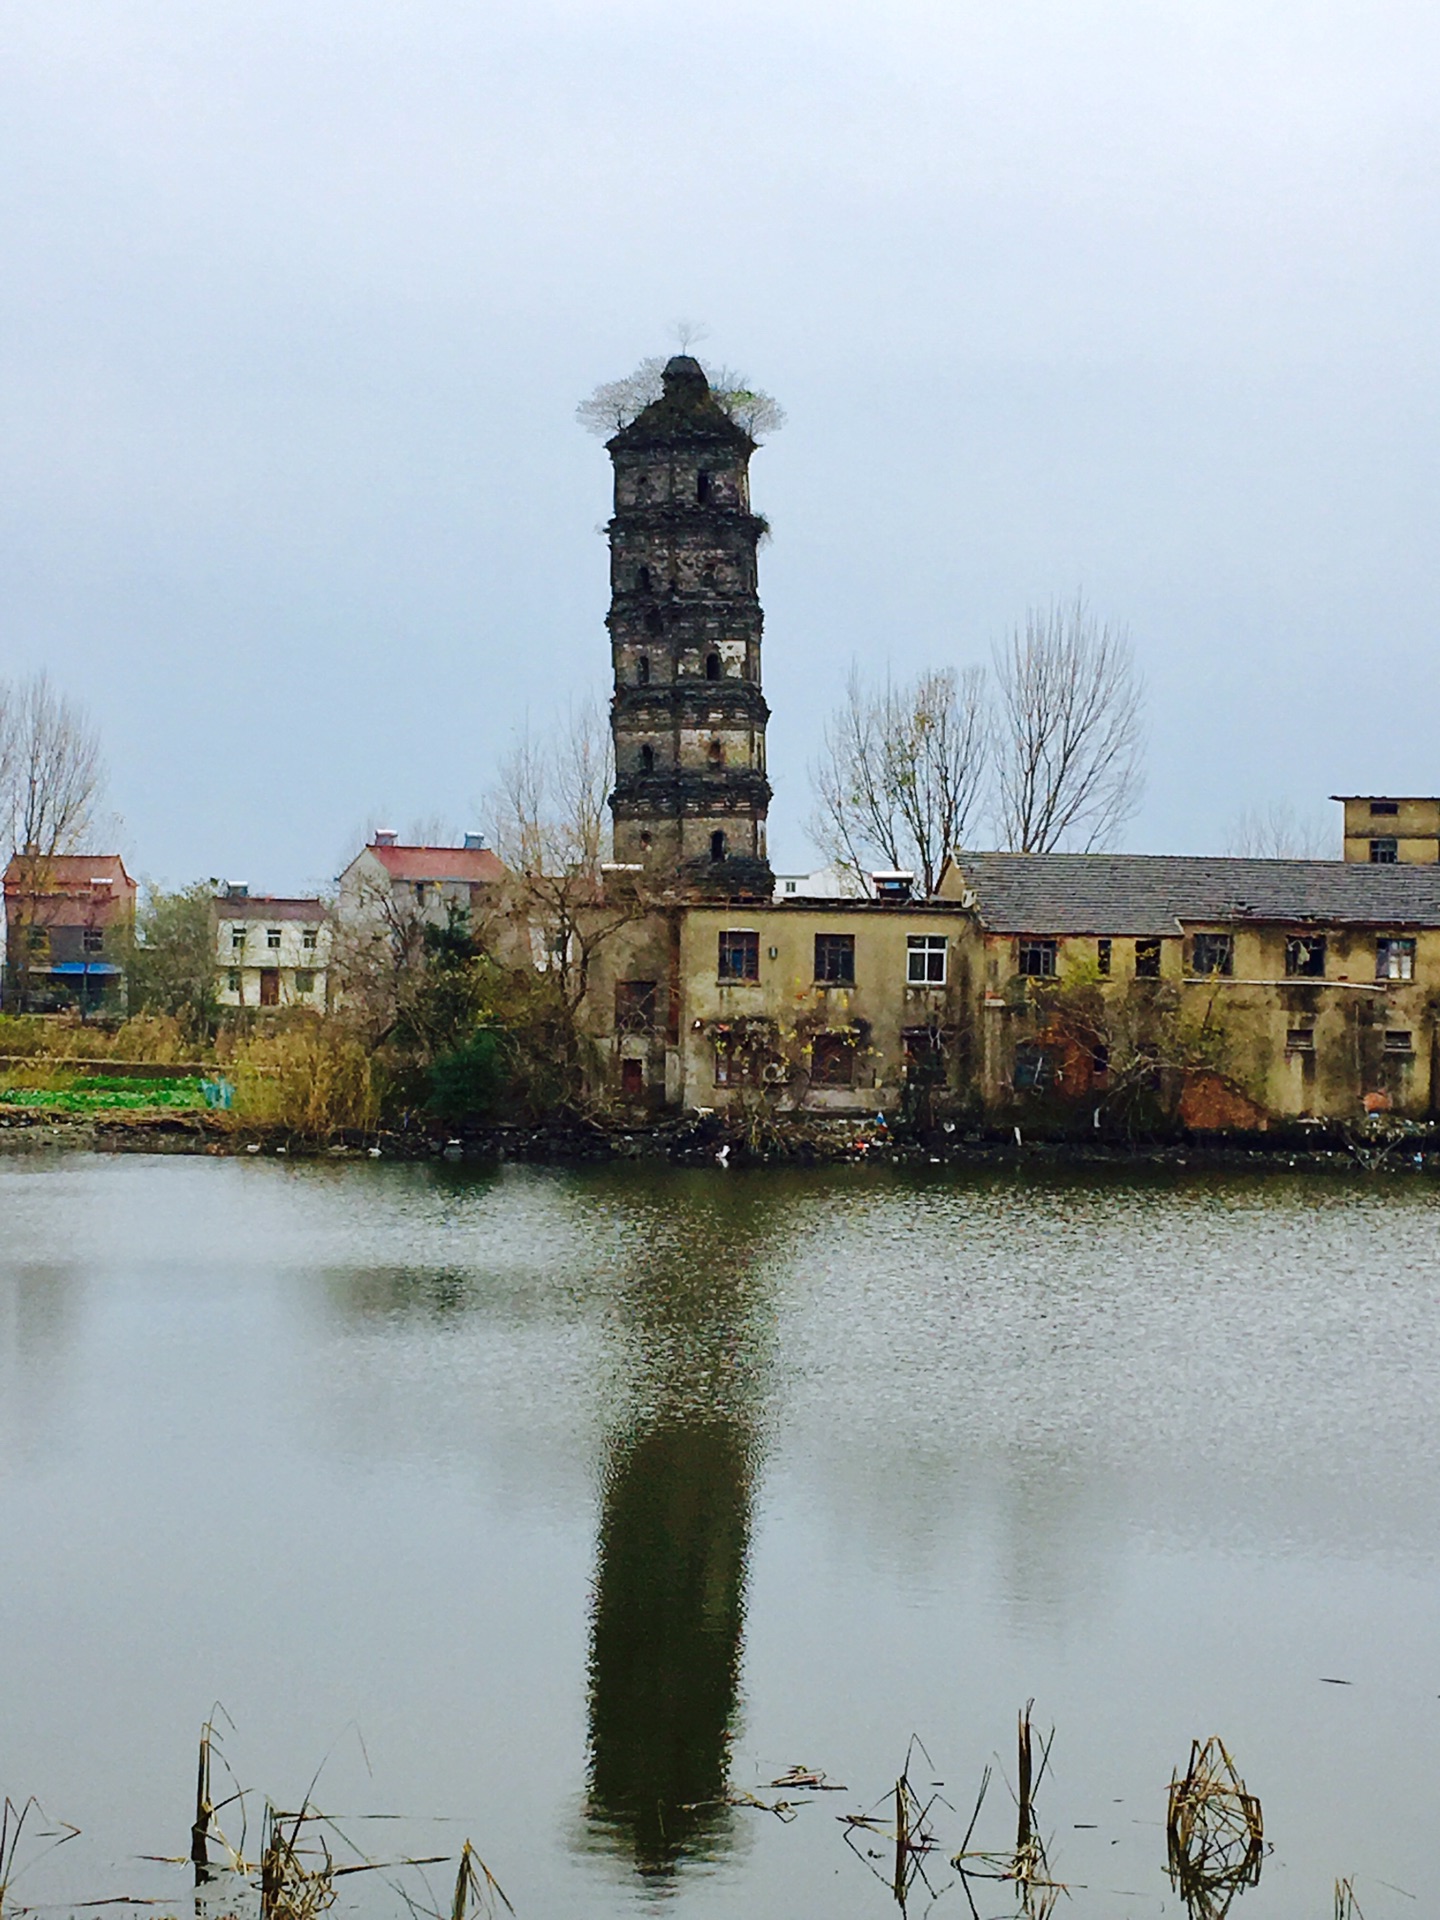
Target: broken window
(702, 487)
(1300, 1040)
(712, 666)
(925, 1055)
(92, 940)
(717, 845)
(1032, 1067)
(1213, 953)
(1102, 957)
(1398, 1041)
(1147, 959)
(732, 1065)
(925, 959)
(647, 759)
(1305, 955)
(832, 1060)
(635, 1006)
(642, 579)
(1394, 959)
(739, 955)
(1037, 958)
(642, 670)
(835, 959)
(1385, 806)
(1384, 852)
(304, 980)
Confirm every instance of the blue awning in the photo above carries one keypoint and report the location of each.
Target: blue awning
(83, 966)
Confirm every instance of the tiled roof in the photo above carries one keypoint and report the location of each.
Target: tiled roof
(266, 906)
(471, 865)
(70, 872)
(1155, 894)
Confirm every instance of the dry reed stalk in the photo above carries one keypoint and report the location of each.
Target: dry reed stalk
(476, 1888)
(294, 1884)
(204, 1811)
(12, 1826)
(1028, 1867)
(1215, 1833)
(912, 1837)
(1346, 1905)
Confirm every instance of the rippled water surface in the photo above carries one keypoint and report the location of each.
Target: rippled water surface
(548, 1505)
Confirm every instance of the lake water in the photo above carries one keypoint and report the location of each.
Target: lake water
(543, 1506)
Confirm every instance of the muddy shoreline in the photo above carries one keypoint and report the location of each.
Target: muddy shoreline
(707, 1140)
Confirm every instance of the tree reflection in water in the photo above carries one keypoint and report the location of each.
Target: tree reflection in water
(674, 1533)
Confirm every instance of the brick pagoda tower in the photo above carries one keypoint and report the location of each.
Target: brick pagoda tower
(688, 716)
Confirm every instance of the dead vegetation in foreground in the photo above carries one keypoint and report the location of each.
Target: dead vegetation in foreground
(293, 1874)
(1214, 1827)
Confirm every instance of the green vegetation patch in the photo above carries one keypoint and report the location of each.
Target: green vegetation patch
(108, 1093)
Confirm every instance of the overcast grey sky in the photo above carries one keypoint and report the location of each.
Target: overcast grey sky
(299, 300)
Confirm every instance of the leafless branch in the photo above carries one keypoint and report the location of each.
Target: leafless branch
(1071, 731)
(50, 769)
(902, 772)
(1278, 832)
(615, 403)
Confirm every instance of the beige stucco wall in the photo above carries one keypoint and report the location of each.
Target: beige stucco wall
(876, 1009)
(1257, 1009)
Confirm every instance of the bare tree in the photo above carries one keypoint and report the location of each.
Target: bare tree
(615, 403)
(1070, 731)
(902, 772)
(50, 781)
(50, 768)
(1278, 832)
(552, 831)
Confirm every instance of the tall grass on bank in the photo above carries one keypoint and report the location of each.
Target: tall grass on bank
(313, 1081)
(153, 1037)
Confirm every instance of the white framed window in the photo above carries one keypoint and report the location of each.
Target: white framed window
(1395, 959)
(925, 959)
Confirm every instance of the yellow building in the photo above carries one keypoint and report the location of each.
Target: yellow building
(1235, 991)
(1381, 831)
(1046, 990)
(834, 1006)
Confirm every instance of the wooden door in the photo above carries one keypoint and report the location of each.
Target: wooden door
(269, 986)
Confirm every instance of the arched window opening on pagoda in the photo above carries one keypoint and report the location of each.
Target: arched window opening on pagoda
(653, 621)
(642, 670)
(702, 487)
(712, 666)
(647, 759)
(642, 579)
(717, 845)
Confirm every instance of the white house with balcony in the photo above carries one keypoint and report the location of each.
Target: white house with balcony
(270, 951)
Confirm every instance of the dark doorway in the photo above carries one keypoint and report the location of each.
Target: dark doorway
(632, 1078)
(717, 845)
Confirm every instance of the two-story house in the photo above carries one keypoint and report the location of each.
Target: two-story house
(69, 922)
(271, 951)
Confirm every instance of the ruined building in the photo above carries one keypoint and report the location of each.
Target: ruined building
(688, 715)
